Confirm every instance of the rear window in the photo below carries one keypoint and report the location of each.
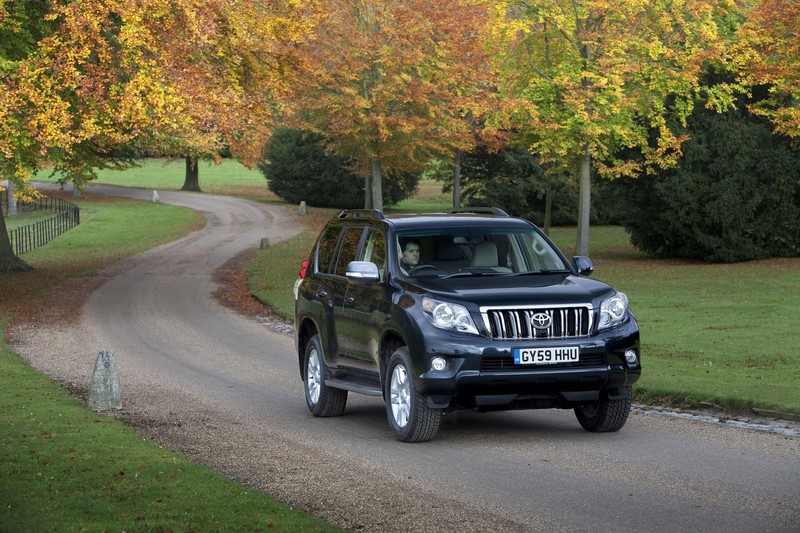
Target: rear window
(326, 249)
(352, 238)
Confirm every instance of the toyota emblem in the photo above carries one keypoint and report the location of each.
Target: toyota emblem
(540, 320)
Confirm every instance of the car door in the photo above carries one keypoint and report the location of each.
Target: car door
(343, 329)
(322, 285)
(364, 307)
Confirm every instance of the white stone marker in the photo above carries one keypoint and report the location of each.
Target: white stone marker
(104, 392)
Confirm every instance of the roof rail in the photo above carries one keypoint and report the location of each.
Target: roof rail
(362, 213)
(479, 210)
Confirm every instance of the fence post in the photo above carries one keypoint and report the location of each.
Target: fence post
(66, 216)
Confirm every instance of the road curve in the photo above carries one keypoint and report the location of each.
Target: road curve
(225, 390)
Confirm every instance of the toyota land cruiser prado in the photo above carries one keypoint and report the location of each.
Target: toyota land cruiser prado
(460, 310)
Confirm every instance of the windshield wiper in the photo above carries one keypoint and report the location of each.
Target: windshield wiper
(471, 273)
(541, 272)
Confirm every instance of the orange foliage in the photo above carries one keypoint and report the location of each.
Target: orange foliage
(180, 77)
(769, 54)
(395, 81)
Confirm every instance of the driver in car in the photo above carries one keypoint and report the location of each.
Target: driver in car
(410, 257)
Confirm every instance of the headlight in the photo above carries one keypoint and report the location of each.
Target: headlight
(447, 316)
(613, 310)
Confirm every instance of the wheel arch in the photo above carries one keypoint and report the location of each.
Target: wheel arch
(305, 331)
(390, 341)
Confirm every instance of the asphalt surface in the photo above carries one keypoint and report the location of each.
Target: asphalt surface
(225, 390)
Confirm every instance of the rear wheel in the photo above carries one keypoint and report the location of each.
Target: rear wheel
(409, 415)
(605, 415)
(321, 399)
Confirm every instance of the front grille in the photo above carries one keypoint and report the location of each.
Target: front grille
(506, 364)
(521, 323)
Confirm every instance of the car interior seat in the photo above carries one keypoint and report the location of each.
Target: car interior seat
(485, 256)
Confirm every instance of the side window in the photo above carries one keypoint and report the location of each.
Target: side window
(327, 247)
(349, 248)
(375, 250)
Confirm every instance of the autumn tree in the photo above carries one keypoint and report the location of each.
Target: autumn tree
(222, 59)
(601, 79)
(22, 141)
(389, 83)
(178, 77)
(768, 53)
(91, 86)
(184, 77)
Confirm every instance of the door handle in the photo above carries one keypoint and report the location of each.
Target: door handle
(320, 294)
(349, 300)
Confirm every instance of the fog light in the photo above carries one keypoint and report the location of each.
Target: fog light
(438, 364)
(630, 356)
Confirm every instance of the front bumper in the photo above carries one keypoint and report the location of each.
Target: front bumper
(481, 373)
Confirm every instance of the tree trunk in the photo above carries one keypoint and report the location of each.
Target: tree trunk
(548, 203)
(457, 180)
(377, 185)
(77, 187)
(368, 192)
(585, 179)
(12, 203)
(9, 262)
(192, 181)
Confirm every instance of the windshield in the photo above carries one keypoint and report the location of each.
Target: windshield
(476, 251)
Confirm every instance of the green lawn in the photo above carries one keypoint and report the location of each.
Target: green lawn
(726, 334)
(227, 177)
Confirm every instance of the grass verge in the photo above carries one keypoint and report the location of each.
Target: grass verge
(64, 468)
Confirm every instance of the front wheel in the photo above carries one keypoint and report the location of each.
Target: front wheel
(605, 415)
(321, 399)
(409, 415)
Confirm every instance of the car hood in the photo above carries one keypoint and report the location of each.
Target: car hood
(510, 290)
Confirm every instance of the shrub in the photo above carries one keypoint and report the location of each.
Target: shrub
(298, 168)
(514, 181)
(735, 195)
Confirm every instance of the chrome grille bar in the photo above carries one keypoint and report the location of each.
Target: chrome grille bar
(517, 323)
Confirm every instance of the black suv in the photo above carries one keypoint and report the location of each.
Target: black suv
(475, 310)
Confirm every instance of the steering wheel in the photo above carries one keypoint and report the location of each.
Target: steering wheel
(419, 268)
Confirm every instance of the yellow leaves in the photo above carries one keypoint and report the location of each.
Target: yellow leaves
(600, 72)
(768, 53)
(183, 74)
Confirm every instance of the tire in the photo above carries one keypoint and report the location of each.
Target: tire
(409, 416)
(321, 399)
(606, 415)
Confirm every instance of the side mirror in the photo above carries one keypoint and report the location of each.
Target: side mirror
(362, 271)
(583, 265)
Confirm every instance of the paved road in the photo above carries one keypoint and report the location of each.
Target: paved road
(225, 390)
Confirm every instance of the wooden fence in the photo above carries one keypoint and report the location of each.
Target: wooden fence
(65, 216)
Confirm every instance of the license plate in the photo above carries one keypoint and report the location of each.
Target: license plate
(546, 356)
